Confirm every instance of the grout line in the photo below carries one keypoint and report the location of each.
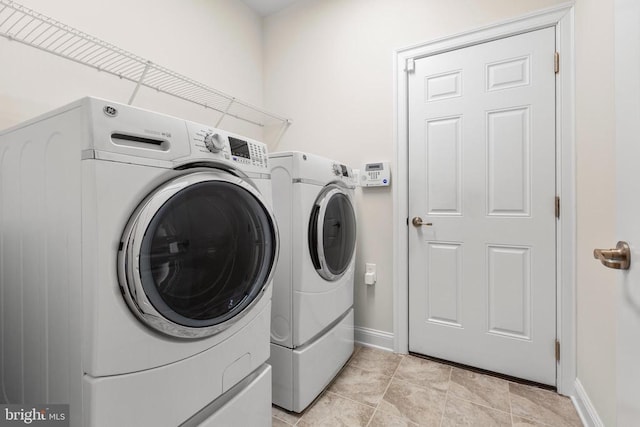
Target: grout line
(420, 386)
(311, 405)
(389, 385)
(384, 392)
(482, 405)
(510, 405)
(375, 407)
(489, 408)
(372, 416)
(363, 369)
(341, 396)
(354, 401)
(446, 397)
(402, 357)
(393, 377)
(529, 418)
(282, 419)
(536, 422)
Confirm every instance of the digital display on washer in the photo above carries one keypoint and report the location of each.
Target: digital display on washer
(239, 147)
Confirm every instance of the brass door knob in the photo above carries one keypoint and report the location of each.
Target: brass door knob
(417, 221)
(618, 258)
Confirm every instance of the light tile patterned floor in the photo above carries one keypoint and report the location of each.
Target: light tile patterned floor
(377, 388)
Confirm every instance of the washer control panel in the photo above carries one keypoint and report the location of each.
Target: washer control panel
(217, 144)
(248, 152)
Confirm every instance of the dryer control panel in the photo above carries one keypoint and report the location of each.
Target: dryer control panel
(344, 173)
(217, 144)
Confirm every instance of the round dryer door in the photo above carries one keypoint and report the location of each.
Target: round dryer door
(197, 254)
(332, 233)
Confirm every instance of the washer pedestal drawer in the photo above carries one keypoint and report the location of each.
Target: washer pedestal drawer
(246, 404)
(300, 375)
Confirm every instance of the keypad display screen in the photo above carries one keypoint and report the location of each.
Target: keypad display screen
(239, 147)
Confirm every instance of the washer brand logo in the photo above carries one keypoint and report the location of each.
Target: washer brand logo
(110, 111)
(38, 415)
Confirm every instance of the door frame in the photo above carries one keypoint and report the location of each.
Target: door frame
(562, 18)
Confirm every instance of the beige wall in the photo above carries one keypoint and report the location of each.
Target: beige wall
(217, 42)
(595, 135)
(328, 65)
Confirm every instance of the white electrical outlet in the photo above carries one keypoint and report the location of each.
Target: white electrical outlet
(370, 275)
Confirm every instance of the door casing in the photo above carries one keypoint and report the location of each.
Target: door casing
(562, 19)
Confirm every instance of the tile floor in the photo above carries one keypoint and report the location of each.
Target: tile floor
(378, 388)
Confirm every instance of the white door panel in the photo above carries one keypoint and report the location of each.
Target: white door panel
(444, 166)
(508, 162)
(444, 271)
(482, 286)
(509, 283)
(627, 69)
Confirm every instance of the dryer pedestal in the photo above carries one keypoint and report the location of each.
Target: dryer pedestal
(300, 374)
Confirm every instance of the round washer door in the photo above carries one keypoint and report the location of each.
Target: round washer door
(197, 254)
(332, 233)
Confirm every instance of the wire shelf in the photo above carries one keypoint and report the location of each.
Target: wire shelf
(27, 26)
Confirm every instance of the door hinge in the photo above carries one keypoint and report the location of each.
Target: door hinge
(558, 207)
(557, 351)
(411, 65)
(556, 62)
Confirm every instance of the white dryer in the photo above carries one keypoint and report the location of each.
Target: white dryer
(312, 315)
(136, 254)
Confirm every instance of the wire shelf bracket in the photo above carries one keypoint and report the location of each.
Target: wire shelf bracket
(24, 25)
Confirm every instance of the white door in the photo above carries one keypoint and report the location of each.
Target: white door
(627, 65)
(482, 282)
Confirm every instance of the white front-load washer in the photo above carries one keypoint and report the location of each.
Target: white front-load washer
(312, 314)
(136, 255)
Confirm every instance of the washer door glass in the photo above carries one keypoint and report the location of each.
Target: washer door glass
(332, 233)
(205, 255)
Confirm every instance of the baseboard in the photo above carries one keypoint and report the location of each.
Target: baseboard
(585, 408)
(373, 338)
